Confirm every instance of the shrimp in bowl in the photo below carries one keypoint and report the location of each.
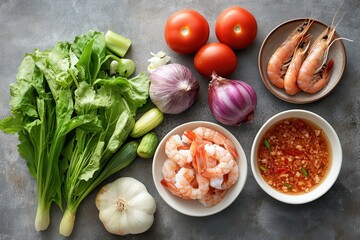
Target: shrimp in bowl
(211, 181)
(291, 92)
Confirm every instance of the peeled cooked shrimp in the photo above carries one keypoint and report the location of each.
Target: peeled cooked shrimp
(174, 151)
(225, 161)
(169, 170)
(183, 181)
(212, 197)
(226, 181)
(214, 136)
(195, 159)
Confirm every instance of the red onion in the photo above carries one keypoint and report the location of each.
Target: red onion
(231, 101)
(173, 88)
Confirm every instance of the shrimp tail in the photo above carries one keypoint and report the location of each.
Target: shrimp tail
(172, 188)
(200, 162)
(190, 135)
(230, 147)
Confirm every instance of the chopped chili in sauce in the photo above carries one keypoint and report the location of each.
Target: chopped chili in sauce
(293, 156)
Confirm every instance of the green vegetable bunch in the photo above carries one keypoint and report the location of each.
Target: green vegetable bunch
(72, 111)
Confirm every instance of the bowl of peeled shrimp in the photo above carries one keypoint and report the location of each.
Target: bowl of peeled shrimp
(302, 60)
(199, 168)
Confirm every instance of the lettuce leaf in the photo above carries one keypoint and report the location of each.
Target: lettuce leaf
(71, 116)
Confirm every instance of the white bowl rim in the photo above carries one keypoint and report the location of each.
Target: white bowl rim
(331, 176)
(177, 203)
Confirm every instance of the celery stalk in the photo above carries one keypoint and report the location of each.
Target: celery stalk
(117, 43)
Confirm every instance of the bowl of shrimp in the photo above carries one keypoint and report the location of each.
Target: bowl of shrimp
(199, 168)
(302, 60)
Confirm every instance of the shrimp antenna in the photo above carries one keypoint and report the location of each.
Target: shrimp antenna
(327, 50)
(340, 38)
(337, 11)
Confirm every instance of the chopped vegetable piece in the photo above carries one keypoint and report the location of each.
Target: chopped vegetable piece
(288, 185)
(157, 60)
(263, 168)
(117, 43)
(267, 144)
(122, 67)
(304, 172)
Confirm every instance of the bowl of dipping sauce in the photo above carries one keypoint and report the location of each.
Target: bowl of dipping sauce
(296, 156)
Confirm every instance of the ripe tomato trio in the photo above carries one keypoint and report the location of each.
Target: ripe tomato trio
(187, 32)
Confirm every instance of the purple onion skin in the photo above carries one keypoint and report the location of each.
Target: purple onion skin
(173, 88)
(231, 102)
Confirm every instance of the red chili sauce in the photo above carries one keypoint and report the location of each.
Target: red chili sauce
(293, 156)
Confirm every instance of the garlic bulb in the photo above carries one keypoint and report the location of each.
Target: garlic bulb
(125, 207)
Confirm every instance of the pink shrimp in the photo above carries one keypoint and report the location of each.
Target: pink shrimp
(225, 161)
(173, 189)
(214, 136)
(292, 72)
(227, 180)
(177, 151)
(212, 197)
(280, 60)
(169, 170)
(314, 73)
(183, 182)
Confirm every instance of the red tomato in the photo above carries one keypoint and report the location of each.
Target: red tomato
(215, 57)
(186, 31)
(236, 27)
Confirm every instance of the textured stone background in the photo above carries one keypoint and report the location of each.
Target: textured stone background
(26, 25)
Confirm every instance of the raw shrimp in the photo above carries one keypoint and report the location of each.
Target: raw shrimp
(291, 75)
(280, 60)
(177, 151)
(183, 182)
(212, 197)
(314, 73)
(225, 164)
(169, 170)
(214, 136)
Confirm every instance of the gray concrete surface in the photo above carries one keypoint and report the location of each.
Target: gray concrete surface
(26, 25)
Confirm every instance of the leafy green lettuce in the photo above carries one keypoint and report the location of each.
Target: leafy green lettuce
(71, 116)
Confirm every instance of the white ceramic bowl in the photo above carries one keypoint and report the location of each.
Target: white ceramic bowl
(335, 153)
(194, 207)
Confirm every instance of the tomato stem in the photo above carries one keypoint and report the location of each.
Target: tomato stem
(237, 29)
(185, 31)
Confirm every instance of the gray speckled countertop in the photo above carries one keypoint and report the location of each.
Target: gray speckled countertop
(26, 25)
